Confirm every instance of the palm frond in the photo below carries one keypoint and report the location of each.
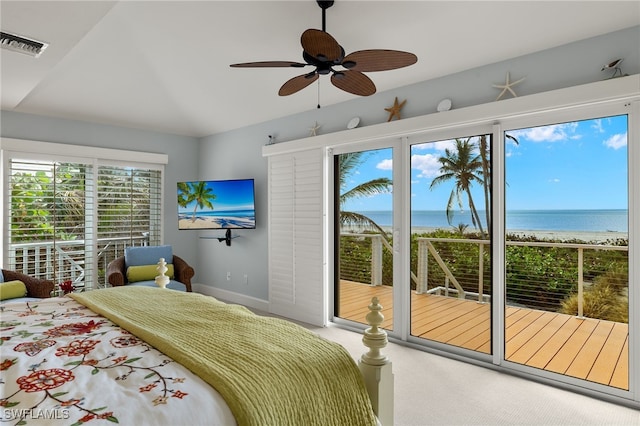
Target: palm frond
(347, 165)
(367, 189)
(361, 222)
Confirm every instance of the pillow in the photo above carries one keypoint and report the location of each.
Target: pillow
(146, 272)
(12, 289)
(1, 276)
(150, 255)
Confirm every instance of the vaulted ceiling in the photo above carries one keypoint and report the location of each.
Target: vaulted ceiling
(164, 65)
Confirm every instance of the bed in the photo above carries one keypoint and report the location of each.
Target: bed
(175, 359)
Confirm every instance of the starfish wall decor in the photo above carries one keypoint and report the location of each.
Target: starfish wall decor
(313, 130)
(507, 86)
(394, 111)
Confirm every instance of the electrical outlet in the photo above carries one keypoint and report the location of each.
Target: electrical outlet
(228, 276)
(245, 280)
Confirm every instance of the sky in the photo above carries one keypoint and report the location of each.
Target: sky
(230, 195)
(576, 165)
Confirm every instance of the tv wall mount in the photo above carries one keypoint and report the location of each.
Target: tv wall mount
(227, 237)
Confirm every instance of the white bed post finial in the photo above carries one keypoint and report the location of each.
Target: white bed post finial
(374, 337)
(376, 367)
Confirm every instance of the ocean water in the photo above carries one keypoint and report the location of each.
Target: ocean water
(521, 220)
(219, 213)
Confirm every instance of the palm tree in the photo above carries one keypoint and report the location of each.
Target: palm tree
(183, 194)
(201, 194)
(461, 229)
(347, 165)
(485, 156)
(462, 166)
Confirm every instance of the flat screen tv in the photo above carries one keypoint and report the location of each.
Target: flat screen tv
(216, 204)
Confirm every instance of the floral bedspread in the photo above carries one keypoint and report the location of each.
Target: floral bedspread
(60, 363)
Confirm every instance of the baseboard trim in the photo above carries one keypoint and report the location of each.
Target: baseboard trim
(231, 297)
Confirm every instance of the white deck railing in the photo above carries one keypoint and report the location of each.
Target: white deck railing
(451, 285)
(67, 260)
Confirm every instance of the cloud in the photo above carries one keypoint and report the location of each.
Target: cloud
(597, 125)
(386, 164)
(552, 133)
(616, 141)
(436, 146)
(427, 164)
(554, 180)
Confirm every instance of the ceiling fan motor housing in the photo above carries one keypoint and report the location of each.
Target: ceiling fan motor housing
(324, 4)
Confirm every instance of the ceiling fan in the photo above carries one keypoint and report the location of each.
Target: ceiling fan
(322, 51)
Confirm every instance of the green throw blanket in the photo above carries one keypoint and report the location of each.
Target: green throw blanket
(269, 371)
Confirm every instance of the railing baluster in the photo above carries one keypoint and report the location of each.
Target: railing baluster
(376, 260)
(423, 267)
(580, 282)
(480, 272)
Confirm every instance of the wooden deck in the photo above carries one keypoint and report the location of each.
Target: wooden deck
(590, 349)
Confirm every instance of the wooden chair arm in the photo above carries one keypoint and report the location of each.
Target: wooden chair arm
(115, 272)
(182, 271)
(36, 287)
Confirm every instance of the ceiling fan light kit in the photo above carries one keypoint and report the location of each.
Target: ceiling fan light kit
(327, 56)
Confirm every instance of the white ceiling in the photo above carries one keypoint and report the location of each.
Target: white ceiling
(164, 65)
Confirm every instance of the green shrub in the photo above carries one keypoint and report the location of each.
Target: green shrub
(606, 300)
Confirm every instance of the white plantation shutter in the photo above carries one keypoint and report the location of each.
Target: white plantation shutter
(66, 220)
(129, 210)
(50, 230)
(295, 236)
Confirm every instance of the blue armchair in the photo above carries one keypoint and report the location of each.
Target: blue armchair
(137, 267)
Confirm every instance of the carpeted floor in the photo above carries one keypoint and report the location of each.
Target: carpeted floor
(435, 390)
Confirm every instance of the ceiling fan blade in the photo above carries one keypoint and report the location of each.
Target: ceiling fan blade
(353, 82)
(378, 60)
(266, 64)
(321, 45)
(297, 83)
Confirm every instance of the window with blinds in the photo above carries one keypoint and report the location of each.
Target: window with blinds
(69, 220)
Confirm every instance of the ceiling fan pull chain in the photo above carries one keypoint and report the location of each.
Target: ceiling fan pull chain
(318, 93)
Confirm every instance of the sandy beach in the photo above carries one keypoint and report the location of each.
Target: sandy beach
(217, 222)
(597, 237)
(586, 236)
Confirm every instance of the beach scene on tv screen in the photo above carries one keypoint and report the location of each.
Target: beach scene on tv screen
(223, 204)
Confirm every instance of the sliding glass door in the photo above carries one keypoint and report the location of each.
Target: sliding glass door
(567, 249)
(364, 242)
(451, 242)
